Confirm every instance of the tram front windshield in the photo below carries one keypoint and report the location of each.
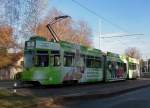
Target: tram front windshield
(28, 59)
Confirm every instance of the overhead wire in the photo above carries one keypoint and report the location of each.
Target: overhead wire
(103, 18)
(99, 16)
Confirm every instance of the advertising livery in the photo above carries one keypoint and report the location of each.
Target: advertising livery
(48, 62)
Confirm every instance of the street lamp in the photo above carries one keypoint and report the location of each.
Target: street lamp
(54, 20)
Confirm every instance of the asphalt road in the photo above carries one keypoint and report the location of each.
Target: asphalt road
(81, 89)
(49, 91)
(135, 99)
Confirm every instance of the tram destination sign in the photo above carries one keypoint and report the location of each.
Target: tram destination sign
(30, 44)
(47, 45)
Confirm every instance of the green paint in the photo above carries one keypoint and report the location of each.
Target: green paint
(44, 75)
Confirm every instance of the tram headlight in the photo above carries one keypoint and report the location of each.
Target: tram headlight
(38, 75)
(50, 78)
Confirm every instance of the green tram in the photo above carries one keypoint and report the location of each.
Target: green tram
(51, 63)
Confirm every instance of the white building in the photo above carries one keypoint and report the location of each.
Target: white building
(9, 72)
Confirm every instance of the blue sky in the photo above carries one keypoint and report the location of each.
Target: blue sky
(131, 15)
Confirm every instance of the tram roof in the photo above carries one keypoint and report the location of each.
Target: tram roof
(41, 43)
(83, 49)
(133, 60)
(116, 57)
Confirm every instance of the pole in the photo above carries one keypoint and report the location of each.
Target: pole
(100, 30)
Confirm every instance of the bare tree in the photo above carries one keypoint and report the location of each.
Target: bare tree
(32, 15)
(12, 11)
(133, 52)
(9, 22)
(6, 39)
(67, 29)
(83, 32)
(6, 42)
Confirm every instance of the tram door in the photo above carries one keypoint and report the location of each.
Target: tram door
(68, 67)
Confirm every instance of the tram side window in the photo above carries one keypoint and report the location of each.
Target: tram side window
(68, 59)
(125, 67)
(97, 63)
(118, 65)
(132, 66)
(82, 60)
(122, 66)
(42, 59)
(92, 62)
(111, 65)
(55, 58)
(88, 63)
